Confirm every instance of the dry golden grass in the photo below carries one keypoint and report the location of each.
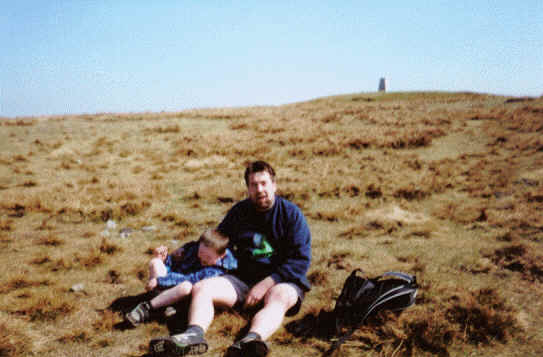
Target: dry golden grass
(448, 186)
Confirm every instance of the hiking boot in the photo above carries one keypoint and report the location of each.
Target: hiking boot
(187, 343)
(249, 346)
(139, 314)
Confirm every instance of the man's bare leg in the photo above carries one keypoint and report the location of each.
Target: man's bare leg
(278, 300)
(207, 294)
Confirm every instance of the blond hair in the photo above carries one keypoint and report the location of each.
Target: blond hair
(213, 239)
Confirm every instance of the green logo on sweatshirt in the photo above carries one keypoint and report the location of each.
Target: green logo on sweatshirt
(262, 249)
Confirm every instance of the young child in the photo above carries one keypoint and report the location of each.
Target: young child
(196, 260)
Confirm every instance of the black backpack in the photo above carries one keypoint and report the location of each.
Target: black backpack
(362, 297)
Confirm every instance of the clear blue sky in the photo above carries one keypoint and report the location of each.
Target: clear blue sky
(78, 56)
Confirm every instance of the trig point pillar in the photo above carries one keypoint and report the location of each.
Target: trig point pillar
(382, 84)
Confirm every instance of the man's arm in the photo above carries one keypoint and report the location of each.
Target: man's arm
(295, 263)
(230, 222)
(296, 257)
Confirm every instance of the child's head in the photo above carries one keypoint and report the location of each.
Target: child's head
(212, 247)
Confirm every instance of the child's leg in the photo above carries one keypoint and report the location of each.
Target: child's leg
(172, 295)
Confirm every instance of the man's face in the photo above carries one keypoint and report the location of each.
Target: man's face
(261, 190)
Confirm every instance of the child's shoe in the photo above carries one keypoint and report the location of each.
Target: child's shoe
(139, 314)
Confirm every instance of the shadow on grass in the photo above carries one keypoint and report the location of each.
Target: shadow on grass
(321, 326)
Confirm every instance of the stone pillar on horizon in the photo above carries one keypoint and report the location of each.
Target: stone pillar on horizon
(382, 84)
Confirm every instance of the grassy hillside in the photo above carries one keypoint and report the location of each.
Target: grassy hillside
(447, 186)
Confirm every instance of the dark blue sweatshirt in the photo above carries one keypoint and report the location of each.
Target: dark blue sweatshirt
(274, 243)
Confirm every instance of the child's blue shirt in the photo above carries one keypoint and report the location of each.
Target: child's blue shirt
(189, 268)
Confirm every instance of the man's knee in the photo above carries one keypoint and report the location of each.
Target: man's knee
(218, 290)
(203, 287)
(283, 294)
(184, 288)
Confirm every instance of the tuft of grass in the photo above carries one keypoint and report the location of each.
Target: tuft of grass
(13, 342)
(410, 193)
(414, 139)
(519, 258)
(318, 278)
(51, 241)
(6, 225)
(91, 260)
(21, 283)
(79, 336)
(482, 317)
(20, 122)
(46, 310)
(40, 260)
(173, 129)
(113, 277)
(105, 321)
(109, 248)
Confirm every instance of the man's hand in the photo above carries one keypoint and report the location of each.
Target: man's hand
(257, 292)
(161, 252)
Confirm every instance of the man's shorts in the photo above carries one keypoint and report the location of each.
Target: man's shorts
(242, 290)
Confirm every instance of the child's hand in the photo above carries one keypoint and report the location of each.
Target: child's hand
(151, 284)
(161, 252)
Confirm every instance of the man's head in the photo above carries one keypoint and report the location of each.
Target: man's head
(261, 186)
(212, 247)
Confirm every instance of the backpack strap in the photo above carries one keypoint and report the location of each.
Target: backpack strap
(410, 292)
(340, 341)
(403, 276)
(357, 270)
(353, 277)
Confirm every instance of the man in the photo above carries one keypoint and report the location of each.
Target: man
(270, 237)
